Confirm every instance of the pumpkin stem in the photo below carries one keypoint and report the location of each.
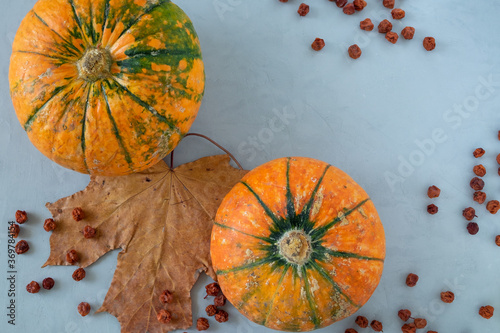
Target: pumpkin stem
(295, 246)
(95, 64)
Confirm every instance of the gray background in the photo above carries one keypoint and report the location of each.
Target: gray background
(392, 114)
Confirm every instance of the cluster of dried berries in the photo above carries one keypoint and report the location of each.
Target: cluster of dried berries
(433, 192)
(33, 287)
(418, 323)
(363, 323)
(213, 289)
(164, 316)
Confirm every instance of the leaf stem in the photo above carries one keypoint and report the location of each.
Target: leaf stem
(217, 145)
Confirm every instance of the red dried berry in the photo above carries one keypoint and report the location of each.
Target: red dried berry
(202, 324)
(429, 43)
(493, 206)
(478, 152)
(78, 214)
(341, 3)
(469, 213)
(366, 25)
(89, 232)
(479, 170)
(303, 9)
(384, 27)
(408, 32)
(164, 316)
(14, 230)
(79, 274)
(433, 192)
(359, 5)
(411, 280)
(49, 225)
(354, 51)
(349, 9)
(166, 297)
(473, 228)
(477, 184)
(404, 314)
(84, 309)
(388, 4)
(392, 37)
(409, 328)
(351, 330)
(220, 300)
(447, 297)
(22, 247)
(21, 216)
(213, 289)
(497, 240)
(48, 283)
(479, 197)
(211, 310)
(376, 326)
(72, 257)
(361, 321)
(432, 209)
(318, 44)
(486, 311)
(221, 316)
(498, 158)
(420, 323)
(33, 287)
(398, 13)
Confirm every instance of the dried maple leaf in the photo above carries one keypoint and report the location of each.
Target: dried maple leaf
(162, 220)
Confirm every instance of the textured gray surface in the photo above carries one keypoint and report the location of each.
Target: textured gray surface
(367, 117)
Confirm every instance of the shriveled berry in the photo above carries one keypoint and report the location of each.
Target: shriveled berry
(48, 283)
(354, 51)
(202, 324)
(479, 170)
(221, 316)
(359, 5)
(220, 300)
(351, 330)
(473, 228)
(72, 257)
(79, 274)
(366, 25)
(361, 321)
(376, 326)
(78, 214)
(318, 44)
(469, 213)
(14, 230)
(432, 209)
(33, 287)
(398, 13)
(478, 152)
(433, 192)
(497, 240)
(21, 216)
(420, 323)
(493, 206)
(479, 197)
(498, 158)
(392, 37)
(303, 9)
(89, 232)
(477, 184)
(409, 328)
(49, 225)
(486, 311)
(385, 26)
(84, 309)
(164, 316)
(213, 289)
(411, 280)
(349, 9)
(404, 314)
(341, 3)
(388, 4)
(447, 296)
(429, 43)
(22, 247)
(408, 32)
(166, 297)
(211, 310)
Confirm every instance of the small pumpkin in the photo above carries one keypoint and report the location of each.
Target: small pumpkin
(106, 87)
(297, 245)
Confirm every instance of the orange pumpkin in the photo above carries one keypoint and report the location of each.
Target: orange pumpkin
(297, 245)
(106, 87)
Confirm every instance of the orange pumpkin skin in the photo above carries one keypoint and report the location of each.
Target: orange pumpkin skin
(297, 245)
(106, 87)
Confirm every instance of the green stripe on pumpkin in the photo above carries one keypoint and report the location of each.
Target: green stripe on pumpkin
(32, 117)
(346, 255)
(290, 205)
(256, 263)
(78, 21)
(273, 298)
(310, 298)
(306, 223)
(267, 240)
(147, 10)
(84, 126)
(66, 44)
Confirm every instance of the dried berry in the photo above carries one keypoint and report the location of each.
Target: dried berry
(22, 247)
(473, 228)
(341, 3)
(411, 280)
(351, 330)
(376, 326)
(213, 289)
(398, 13)
(479, 170)
(420, 323)
(166, 297)
(79, 274)
(220, 300)
(211, 310)
(477, 184)
(48, 283)
(408, 32)
(303, 9)
(349, 9)
(283, 0)
(354, 51)
(433, 192)
(33, 287)
(409, 328)
(497, 240)
(14, 230)
(84, 309)
(447, 297)
(221, 316)
(361, 321)
(384, 27)
(498, 158)
(78, 214)
(202, 324)
(432, 332)
(89, 232)
(49, 225)
(469, 213)
(389, 4)
(478, 152)
(499, 171)
(21, 216)
(359, 5)
(164, 316)
(404, 314)
(429, 43)
(479, 197)
(432, 209)
(366, 25)
(493, 206)
(72, 257)
(392, 37)
(486, 311)
(318, 44)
